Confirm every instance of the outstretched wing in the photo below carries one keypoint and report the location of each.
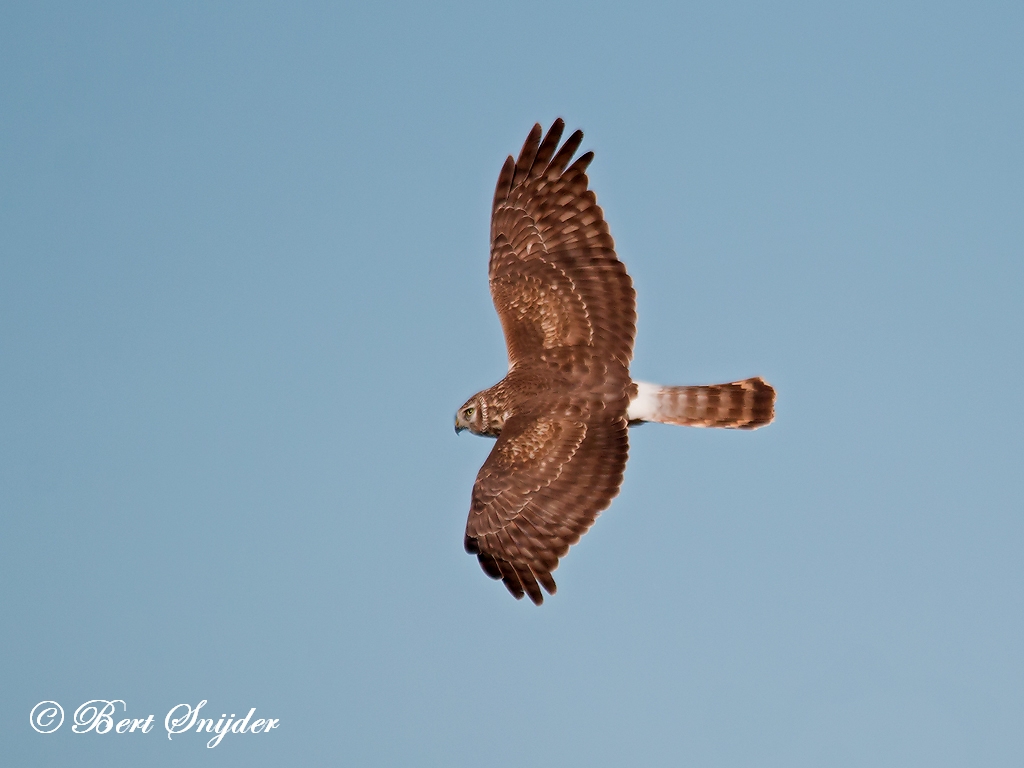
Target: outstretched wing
(548, 476)
(555, 279)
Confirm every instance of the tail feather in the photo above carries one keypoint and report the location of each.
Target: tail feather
(746, 404)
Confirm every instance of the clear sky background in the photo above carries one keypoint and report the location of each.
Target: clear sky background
(243, 289)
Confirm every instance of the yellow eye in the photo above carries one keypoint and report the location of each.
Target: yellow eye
(469, 412)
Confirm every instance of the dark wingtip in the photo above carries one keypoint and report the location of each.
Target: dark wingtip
(582, 162)
(529, 150)
(562, 157)
(504, 185)
(512, 585)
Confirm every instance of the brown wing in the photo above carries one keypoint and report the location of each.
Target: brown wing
(554, 275)
(548, 476)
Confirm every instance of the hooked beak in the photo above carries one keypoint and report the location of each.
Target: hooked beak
(457, 427)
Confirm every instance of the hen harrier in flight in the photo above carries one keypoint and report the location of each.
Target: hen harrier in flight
(560, 416)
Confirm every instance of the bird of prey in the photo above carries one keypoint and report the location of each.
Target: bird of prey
(560, 416)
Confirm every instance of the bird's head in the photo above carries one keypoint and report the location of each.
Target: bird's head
(479, 417)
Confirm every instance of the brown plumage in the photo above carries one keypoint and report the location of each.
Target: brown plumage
(560, 416)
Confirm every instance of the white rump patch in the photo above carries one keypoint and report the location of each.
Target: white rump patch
(644, 407)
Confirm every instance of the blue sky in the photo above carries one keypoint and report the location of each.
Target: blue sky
(243, 289)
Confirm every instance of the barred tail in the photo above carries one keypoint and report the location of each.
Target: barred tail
(746, 404)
